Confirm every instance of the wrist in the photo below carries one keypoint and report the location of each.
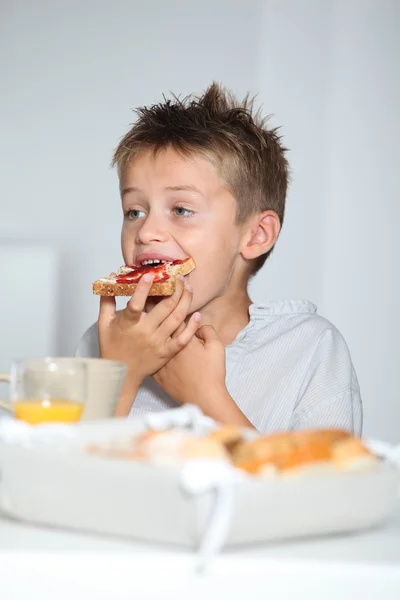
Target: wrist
(128, 394)
(222, 408)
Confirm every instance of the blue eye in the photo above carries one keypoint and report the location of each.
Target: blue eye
(134, 214)
(180, 211)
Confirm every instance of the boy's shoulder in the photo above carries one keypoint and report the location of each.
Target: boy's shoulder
(290, 335)
(282, 307)
(88, 346)
(296, 318)
(287, 311)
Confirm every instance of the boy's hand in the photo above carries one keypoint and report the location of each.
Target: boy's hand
(196, 375)
(144, 340)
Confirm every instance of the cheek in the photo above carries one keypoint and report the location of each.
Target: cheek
(127, 243)
(212, 274)
(207, 288)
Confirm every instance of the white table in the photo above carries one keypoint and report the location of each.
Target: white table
(39, 563)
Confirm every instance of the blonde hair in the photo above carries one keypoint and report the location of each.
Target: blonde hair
(249, 157)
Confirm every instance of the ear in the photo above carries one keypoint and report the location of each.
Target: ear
(260, 235)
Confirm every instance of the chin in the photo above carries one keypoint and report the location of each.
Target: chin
(198, 304)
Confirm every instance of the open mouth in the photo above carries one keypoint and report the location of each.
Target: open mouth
(153, 262)
(154, 259)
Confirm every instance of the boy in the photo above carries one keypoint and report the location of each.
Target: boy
(205, 178)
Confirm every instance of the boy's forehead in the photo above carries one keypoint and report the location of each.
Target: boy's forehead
(168, 169)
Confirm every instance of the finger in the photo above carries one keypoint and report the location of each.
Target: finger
(207, 334)
(177, 316)
(178, 332)
(107, 310)
(166, 306)
(136, 304)
(178, 343)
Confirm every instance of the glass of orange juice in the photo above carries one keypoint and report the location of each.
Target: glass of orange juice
(46, 389)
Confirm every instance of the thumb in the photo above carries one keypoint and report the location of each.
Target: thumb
(107, 310)
(207, 334)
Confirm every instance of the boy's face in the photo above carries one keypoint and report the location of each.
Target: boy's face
(176, 207)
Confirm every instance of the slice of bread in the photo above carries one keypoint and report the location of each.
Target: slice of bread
(115, 286)
(294, 451)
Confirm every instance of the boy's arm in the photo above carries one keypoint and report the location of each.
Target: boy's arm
(330, 394)
(127, 396)
(88, 347)
(343, 412)
(196, 375)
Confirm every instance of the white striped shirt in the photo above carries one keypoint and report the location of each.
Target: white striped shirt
(287, 369)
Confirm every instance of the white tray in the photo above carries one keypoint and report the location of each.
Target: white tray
(50, 480)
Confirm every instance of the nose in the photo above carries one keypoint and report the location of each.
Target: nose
(151, 230)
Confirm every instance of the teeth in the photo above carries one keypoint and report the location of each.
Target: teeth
(152, 262)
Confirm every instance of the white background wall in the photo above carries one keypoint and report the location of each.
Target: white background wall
(70, 73)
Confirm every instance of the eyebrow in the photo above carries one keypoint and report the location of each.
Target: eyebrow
(172, 188)
(184, 188)
(129, 189)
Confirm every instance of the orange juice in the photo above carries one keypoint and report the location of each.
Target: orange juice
(36, 411)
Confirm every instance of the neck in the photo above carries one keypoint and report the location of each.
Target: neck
(228, 314)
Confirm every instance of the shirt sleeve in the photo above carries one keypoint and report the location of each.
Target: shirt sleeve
(88, 346)
(330, 394)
